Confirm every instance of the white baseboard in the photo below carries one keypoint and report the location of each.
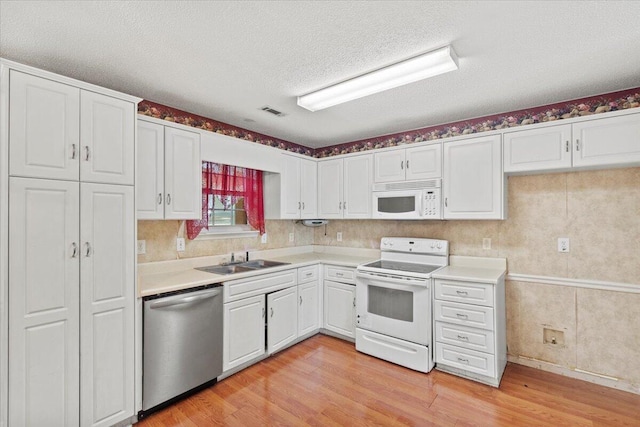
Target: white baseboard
(578, 374)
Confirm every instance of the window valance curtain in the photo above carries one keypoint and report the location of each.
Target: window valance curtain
(234, 182)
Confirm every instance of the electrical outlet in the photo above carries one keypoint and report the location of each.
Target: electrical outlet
(263, 239)
(339, 236)
(486, 243)
(291, 237)
(563, 244)
(142, 247)
(180, 244)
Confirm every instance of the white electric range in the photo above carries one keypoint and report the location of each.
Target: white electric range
(394, 301)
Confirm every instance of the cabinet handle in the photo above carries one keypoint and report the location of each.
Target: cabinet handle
(461, 360)
(74, 248)
(168, 199)
(463, 293)
(87, 152)
(159, 198)
(344, 205)
(87, 252)
(263, 312)
(354, 301)
(73, 151)
(300, 299)
(463, 338)
(302, 205)
(299, 205)
(308, 274)
(577, 145)
(462, 316)
(407, 164)
(339, 274)
(271, 311)
(402, 165)
(339, 205)
(566, 147)
(446, 202)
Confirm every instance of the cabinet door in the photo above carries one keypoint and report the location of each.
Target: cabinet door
(107, 135)
(182, 174)
(339, 308)
(308, 189)
(540, 149)
(308, 308)
(150, 171)
(243, 338)
(473, 180)
(424, 162)
(107, 271)
(330, 189)
(611, 141)
(358, 174)
(290, 189)
(389, 166)
(282, 320)
(43, 303)
(44, 128)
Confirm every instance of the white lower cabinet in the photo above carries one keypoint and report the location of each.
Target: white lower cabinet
(339, 308)
(470, 327)
(282, 321)
(308, 300)
(243, 337)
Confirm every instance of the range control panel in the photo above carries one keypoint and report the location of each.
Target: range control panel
(421, 246)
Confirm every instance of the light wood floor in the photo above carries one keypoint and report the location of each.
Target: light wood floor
(323, 381)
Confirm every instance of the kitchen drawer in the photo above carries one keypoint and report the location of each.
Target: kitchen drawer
(340, 274)
(471, 338)
(464, 314)
(308, 274)
(469, 360)
(466, 292)
(256, 285)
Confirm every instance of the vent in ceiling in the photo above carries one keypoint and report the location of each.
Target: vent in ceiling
(273, 111)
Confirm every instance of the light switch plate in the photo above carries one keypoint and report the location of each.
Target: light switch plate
(291, 237)
(563, 244)
(339, 236)
(486, 243)
(180, 244)
(142, 247)
(263, 239)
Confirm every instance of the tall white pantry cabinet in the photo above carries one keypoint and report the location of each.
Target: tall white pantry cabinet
(67, 253)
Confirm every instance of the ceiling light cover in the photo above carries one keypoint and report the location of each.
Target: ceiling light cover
(419, 67)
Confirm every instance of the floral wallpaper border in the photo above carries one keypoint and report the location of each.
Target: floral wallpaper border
(598, 104)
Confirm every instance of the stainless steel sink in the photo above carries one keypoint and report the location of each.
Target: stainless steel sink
(257, 264)
(261, 263)
(225, 269)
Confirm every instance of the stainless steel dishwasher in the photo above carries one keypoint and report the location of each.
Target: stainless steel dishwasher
(182, 347)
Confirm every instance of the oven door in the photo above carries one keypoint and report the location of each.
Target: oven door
(395, 306)
(405, 204)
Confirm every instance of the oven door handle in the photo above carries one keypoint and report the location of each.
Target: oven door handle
(393, 282)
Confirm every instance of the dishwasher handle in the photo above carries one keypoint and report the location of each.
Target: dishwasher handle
(188, 298)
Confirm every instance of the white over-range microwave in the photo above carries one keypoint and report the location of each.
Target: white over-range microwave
(407, 200)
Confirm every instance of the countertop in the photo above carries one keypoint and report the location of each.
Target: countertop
(180, 275)
(477, 269)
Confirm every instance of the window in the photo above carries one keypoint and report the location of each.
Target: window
(231, 202)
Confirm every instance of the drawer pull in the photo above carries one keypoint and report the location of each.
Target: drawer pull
(463, 338)
(461, 360)
(462, 316)
(300, 299)
(309, 273)
(462, 293)
(339, 274)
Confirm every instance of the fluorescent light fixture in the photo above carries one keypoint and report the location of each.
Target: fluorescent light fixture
(411, 70)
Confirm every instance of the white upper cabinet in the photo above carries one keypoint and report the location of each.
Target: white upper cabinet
(611, 141)
(58, 131)
(473, 179)
(44, 127)
(292, 194)
(169, 173)
(107, 137)
(344, 187)
(423, 162)
(544, 148)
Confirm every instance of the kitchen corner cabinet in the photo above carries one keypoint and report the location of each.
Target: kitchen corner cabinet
(611, 141)
(424, 162)
(292, 194)
(282, 324)
(473, 182)
(169, 173)
(344, 187)
(58, 131)
(71, 273)
(340, 301)
(244, 337)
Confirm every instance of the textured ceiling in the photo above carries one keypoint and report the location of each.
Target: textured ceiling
(226, 60)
